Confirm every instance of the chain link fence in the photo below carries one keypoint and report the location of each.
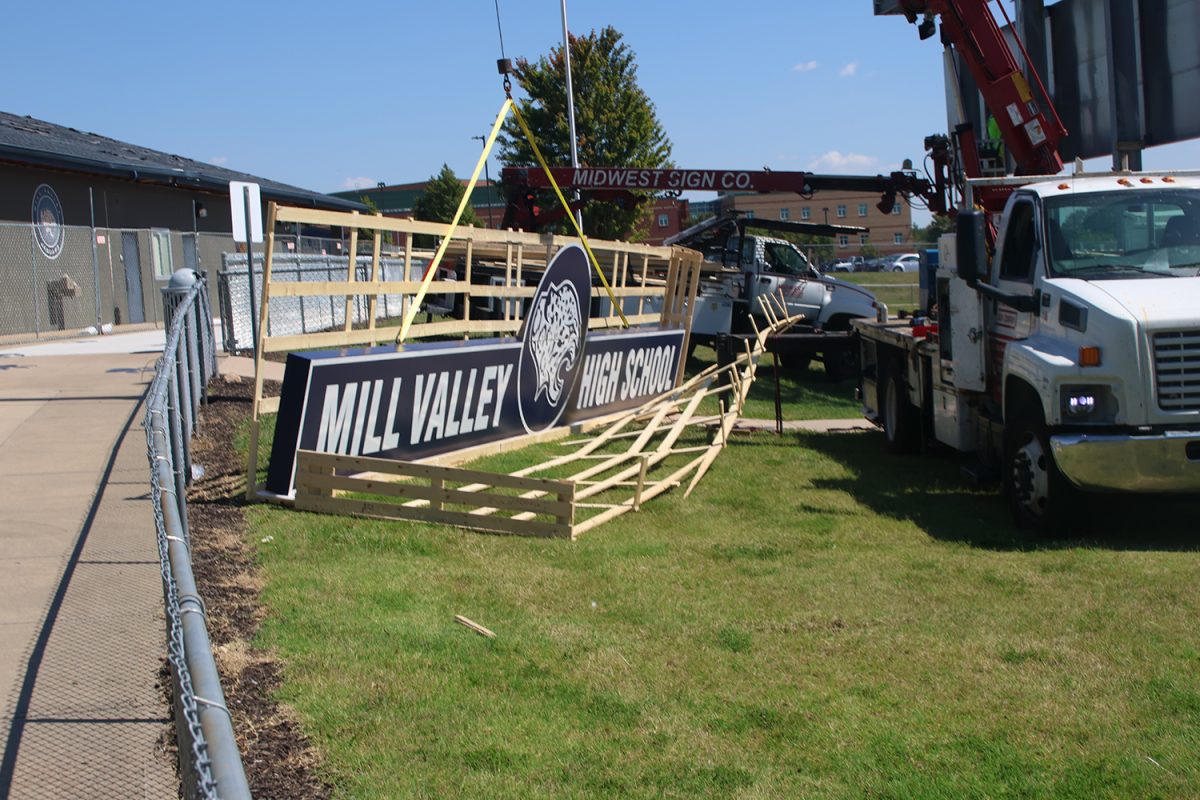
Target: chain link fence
(294, 315)
(67, 279)
(210, 765)
(53, 287)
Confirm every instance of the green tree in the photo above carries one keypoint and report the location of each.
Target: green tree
(366, 235)
(615, 122)
(440, 200)
(936, 227)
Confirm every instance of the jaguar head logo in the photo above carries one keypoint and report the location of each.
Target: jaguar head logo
(554, 327)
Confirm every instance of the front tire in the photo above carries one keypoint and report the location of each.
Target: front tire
(1040, 497)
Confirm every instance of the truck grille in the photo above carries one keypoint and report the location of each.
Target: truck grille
(1177, 370)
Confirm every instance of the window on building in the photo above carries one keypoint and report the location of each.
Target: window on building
(843, 240)
(663, 220)
(898, 238)
(750, 214)
(160, 253)
(841, 212)
(806, 213)
(785, 213)
(896, 210)
(863, 237)
(862, 209)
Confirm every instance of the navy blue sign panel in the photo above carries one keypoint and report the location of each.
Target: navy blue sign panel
(433, 398)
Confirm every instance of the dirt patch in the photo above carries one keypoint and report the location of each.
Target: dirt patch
(279, 760)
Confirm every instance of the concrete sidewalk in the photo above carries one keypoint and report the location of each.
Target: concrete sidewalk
(81, 624)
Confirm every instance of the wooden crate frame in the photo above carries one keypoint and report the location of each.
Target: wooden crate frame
(653, 431)
(632, 270)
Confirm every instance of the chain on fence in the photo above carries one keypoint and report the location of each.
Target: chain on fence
(210, 764)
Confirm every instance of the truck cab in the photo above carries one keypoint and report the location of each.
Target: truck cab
(1071, 357)
(743, 268)
(776, 266)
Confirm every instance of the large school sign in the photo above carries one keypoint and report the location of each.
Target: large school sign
(434, 398)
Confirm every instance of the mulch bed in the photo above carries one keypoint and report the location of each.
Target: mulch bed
(279, 760)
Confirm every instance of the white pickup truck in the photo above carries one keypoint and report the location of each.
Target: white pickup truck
(742, 268)
(1071, 359)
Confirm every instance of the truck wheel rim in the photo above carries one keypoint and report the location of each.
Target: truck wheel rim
(1030, 478)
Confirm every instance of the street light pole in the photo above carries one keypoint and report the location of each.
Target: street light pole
(489, 183)
(570, 105)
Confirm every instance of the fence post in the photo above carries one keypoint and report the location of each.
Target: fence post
(37, 306)
(193, 354)
(95, 262)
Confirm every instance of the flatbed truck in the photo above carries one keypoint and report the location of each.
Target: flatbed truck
(1067, 363)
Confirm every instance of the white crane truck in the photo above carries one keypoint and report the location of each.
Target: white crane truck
(1071, 360)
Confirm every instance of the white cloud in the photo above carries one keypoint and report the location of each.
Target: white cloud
(358, 183)
(850, 70)
(220, 161)
(805, 66)
(836, 161)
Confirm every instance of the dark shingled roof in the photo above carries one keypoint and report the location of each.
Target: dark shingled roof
(26, 140)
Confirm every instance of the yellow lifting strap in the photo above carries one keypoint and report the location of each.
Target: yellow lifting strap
(574, 222)
(431, 270)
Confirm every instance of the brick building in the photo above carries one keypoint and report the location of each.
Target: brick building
(889, 233)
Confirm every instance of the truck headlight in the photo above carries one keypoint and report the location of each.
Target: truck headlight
(1087, 404)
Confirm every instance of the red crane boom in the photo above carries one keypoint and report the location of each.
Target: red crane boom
(1030, 133)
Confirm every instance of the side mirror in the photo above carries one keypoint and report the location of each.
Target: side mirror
(970, 242)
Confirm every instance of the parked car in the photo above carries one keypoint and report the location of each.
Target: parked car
(874, 264)
(909, 262)
(840, 266)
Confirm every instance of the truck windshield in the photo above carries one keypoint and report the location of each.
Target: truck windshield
(1153, 233)
(784, 259)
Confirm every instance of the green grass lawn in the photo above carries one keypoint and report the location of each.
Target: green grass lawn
(899, 290)
(804, 393)
(819, 619)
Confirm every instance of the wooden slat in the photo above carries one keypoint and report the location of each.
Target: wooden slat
(415, 491)
(487, 290)
(366, 508)
(331, 339)
(352, 271)
(553, 243)
(630, 291)
(650, 493)
(373, 301)
(352, 288)
(638, 319)
(475, 626)
(268, 405)
(389, 466)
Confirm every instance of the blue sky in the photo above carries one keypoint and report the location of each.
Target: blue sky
(329, 96)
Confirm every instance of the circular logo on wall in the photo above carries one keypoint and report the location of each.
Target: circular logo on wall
(48, 229)
(552, 346)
